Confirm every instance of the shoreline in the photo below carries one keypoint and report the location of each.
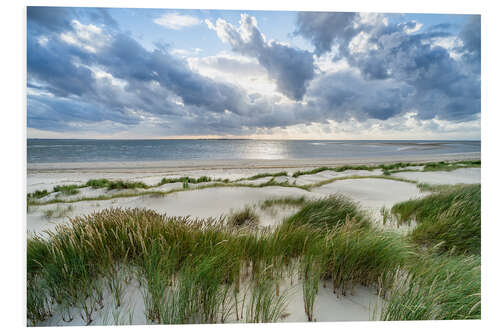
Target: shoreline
(190, 165)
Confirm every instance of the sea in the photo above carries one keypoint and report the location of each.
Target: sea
(77, 150)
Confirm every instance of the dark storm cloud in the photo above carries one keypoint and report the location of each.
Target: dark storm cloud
(57, 19)
(324, 28)
(64, 70)
(52, 65)
(49, 113)
(471, 37)
(344, 94)
(289, 67)
(443, 86)
(109, 77)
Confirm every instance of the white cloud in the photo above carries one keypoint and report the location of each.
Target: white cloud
(405, 126)
(43, 40)
(416, 28)
(177, 21)
(361, 43)
(239, 70)
(101, 74)
(87, 37)
(450, 43)
(373, 19)
(325, 64)
(185, 53)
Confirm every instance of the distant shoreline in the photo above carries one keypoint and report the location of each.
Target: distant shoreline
(186, 165)
(254, 139)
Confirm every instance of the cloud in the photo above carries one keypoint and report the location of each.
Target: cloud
(84, 75)
(57, 19)
(344, 95)
(88, 37)
(325, 28)
(177, 21)
(471, 37)
(290, 68)
(443, 85)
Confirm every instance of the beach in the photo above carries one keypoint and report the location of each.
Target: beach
(215, 189)
(212, 202)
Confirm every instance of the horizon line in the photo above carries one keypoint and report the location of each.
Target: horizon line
(255, 139)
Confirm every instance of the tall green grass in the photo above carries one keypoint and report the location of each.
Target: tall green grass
(202, 179)
(66, 189)
(437, 288)
(329, 212)
(284, 201)
(243, 217)
(195, 270)
(449, 219)
(115, 185)
(38, 194)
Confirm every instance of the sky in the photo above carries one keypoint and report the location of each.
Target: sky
(112, 73)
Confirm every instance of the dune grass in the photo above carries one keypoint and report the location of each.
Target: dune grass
(66, 189)
(437, 288)
(329, 213)
(449, 219)
(58, 212)
(263, 175)
(245, 217)
(290, 201)
(37, 194)
(177, 259)
(328, 181)
(447, 166)
(195, 270)
(190, 180)
(336, 169)
(388, 169)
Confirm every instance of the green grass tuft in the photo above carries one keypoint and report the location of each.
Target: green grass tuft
(263, 175)
(244, 217)
(58, 212)
(37, 194)
(436, 288)
(329, 213)
(284, 201)
(449, 219)
(66, 189)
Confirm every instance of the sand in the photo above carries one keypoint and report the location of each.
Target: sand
(371, 194)
(458, 176)
(193, 165)
(210, 202)
(358, 305)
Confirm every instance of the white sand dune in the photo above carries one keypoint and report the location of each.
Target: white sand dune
(202, 203)
(458, 176)
(371, 194)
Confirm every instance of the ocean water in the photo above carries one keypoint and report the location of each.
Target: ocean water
(58, 151)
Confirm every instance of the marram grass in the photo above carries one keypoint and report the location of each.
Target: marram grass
(436, 288)
(449, 219)
(208, 271)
